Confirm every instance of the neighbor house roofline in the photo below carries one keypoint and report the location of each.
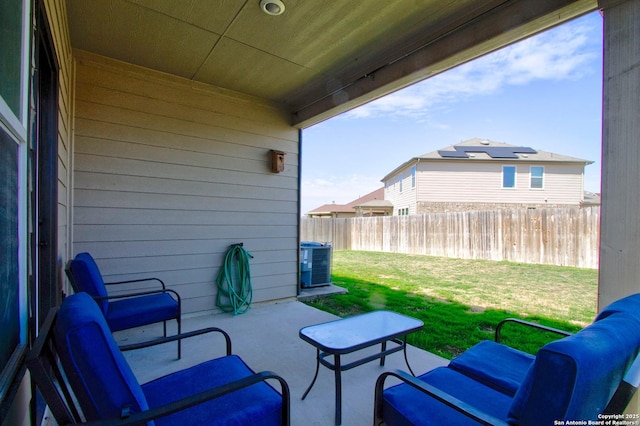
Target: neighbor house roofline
(537, 156)
(378, 194)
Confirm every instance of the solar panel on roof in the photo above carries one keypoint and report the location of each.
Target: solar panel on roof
(453, 154)
(500, 152)
(491, 151)
(525, 150)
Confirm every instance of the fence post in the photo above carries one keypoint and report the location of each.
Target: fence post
(559, 236)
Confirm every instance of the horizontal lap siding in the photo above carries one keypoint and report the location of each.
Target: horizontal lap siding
(401, 199)
(168, 174)
(481, 182)
(57, 17)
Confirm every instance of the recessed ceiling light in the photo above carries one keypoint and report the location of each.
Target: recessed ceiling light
(272, 7)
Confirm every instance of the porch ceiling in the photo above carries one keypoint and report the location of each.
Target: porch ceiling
(319, 58)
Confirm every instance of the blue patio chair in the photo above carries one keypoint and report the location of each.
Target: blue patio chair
(129, 310)
(588, 376)
(83, 376)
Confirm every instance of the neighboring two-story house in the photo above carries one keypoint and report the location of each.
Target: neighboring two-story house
(482, 174)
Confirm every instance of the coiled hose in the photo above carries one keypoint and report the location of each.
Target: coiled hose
(234, 281)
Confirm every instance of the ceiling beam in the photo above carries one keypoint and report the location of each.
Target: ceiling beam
(510, 22)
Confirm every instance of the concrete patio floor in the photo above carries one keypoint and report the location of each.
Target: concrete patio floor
(266, 337)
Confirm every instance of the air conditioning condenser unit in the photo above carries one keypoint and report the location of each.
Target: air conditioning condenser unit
(315, 264)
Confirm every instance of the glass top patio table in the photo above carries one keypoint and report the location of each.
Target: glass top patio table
(347, 335)
(351, 334)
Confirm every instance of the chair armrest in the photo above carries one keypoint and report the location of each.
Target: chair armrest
(528, 324)
(433, 392)
(140, 293)
(139, 280)
(180, 336)
(626, 389)
(190, 401)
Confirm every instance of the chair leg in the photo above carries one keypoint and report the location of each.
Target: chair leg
(179, 340)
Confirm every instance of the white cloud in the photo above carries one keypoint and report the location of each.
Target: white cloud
(317, 191)
(558, 54)
(564, 53)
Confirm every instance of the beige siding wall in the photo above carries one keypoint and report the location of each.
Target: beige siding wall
(482, 183)
(169, 173)
(400, 192)
(56, 14)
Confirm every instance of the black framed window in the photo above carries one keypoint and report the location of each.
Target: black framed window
(11, 42)
(10, 344)
(14, 71)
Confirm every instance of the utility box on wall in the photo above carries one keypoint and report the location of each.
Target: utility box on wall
(315, 264)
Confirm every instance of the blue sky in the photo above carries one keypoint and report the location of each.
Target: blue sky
(544, 92)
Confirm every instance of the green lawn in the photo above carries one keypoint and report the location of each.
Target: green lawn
(461, 301)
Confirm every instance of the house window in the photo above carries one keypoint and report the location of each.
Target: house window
(11, 13)
(14, 57)
(413, 176)
(508, 176)
(9, 296)
(537, 177)
(403, 212)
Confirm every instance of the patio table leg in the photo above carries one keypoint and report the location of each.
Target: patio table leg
(356, 333)
(315, 376)
(338, 371)
(405, 357)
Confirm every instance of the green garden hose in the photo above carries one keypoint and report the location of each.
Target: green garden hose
(234, 281)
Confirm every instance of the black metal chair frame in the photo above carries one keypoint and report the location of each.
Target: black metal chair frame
(164, 289)
(49, 377)
(617, 404)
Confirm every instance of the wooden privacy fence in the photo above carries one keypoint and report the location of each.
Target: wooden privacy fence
(560, 236)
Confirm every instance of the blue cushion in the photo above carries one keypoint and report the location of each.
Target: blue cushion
(571, 378)
(404, 405)
(97, 371)
(496, 365)
(141, 310)
(258, 404)
(574, 378)
(88, 278)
